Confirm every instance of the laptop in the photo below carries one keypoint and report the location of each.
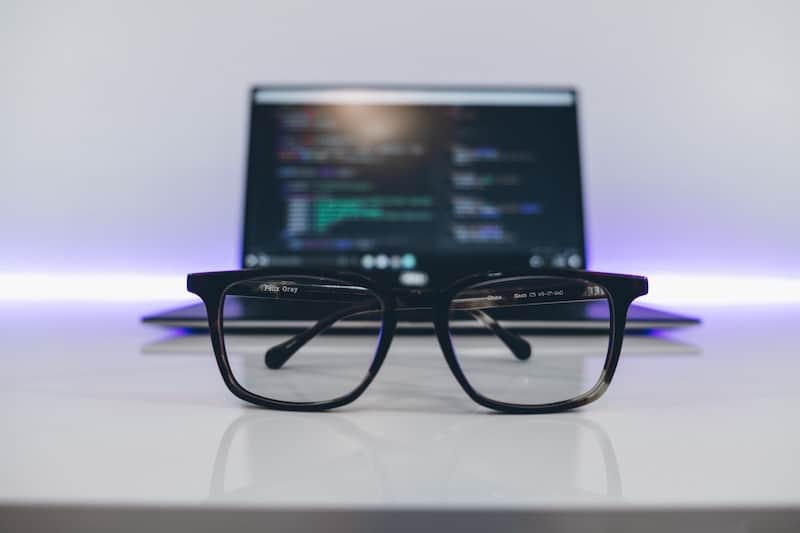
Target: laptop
(415, 185)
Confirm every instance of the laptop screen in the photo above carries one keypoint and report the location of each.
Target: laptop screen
(409, 183)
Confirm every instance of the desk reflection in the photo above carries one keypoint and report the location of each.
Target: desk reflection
(486, 458)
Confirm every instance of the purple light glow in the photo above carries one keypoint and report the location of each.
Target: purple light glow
(668, 289)
(92, 287)
(722, 290)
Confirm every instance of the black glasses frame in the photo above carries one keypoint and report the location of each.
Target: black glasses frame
(620, 290)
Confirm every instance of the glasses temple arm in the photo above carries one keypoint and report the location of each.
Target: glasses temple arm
(518, 346)
(278, 355)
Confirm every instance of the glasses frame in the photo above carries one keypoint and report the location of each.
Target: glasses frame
(620, 289)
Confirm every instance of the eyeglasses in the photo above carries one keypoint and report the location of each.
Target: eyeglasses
(482, 325)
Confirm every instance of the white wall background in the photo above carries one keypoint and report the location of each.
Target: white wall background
(122, 124)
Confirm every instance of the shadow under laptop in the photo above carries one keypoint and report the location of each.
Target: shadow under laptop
(415, 376)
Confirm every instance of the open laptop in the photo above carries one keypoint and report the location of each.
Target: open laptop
(415, 185)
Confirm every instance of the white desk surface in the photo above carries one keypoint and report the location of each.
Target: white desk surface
(106, 421)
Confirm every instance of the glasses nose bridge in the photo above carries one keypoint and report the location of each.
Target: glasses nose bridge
(415, 298)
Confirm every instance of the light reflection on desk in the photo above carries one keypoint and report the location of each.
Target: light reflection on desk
(251, 462)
